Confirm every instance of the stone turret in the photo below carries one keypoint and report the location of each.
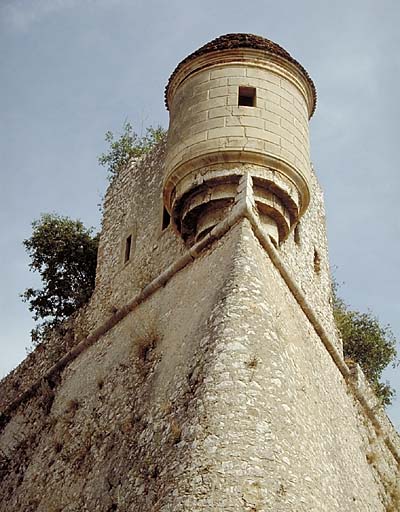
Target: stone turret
(240, 103)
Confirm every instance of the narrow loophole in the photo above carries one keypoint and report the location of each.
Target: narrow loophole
(247, 97)
(166, 219)
(296, 234)
(317, 262)
(128, 246)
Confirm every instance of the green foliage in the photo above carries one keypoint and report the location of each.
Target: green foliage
(368, 343)
(64, 253)
(128, 145)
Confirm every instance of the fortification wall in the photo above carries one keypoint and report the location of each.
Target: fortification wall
(214, 393)
(132, 206)
(119, 428)
(305, 253)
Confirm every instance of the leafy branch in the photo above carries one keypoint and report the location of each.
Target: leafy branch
(368, 343)
(127, 146)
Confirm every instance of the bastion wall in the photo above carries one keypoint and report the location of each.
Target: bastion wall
(213, 393)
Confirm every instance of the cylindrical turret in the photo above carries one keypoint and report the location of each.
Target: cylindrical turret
(239, 104)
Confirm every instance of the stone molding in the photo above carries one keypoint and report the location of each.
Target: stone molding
(200, 165)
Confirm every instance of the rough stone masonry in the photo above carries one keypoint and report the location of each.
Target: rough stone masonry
(206, 373)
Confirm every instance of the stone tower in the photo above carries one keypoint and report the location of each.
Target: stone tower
(239, 104)
(206, 373)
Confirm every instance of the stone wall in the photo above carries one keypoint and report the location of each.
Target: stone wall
(305, 252)
(214, 393)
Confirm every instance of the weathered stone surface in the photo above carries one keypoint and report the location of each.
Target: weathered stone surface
(209, 386)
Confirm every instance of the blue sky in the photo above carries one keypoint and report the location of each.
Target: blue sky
(71, 70)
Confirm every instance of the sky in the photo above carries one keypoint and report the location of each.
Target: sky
(72, 69)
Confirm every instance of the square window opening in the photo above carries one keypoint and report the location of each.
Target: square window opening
(247, 97)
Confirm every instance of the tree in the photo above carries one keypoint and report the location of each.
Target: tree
(64, 253)
(128, 145)
(368, 343)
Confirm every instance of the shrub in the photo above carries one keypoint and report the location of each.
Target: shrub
(128, 145)
(368, 343)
